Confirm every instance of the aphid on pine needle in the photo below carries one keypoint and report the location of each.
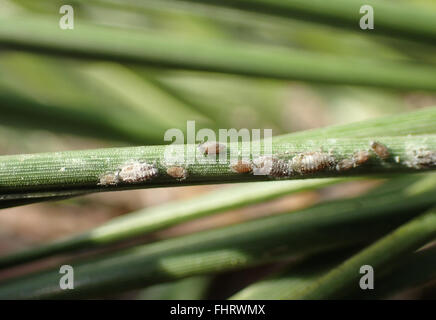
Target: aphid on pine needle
(280, 168)
(267, 165)
(360, 157)
(212, 148)
(345, 164)
(137, 171)
(179, 173)
(380, 150)
(241, 166)
(109, 179)
(422, 158)
(311, 162)
(262, 166)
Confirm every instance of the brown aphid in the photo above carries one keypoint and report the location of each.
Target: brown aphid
(137, 171)
(109, 179)
(179, 173)
(380, 150)
(345, 164)
(360, 157)
(241, 166)
(311, 162)
(212, 148)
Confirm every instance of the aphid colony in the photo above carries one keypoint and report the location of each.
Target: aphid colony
(135, 171)
(307, 162)
(302, 163)
(139, 171)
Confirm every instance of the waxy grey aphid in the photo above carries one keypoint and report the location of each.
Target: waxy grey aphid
(262, 166)
(137, 171)
(311, 162)
(271, 166)
(422, 158)
(280, 168)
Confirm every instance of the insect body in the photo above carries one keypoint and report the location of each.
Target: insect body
(360, 157)
(241, 166)
(310, 162)
(179, 173)
(380, 150)
(109, 179)
(280, 168)
(271, 166)
(212, 148)
(137, 171)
